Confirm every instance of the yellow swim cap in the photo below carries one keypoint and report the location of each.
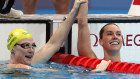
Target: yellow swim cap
(15, 36)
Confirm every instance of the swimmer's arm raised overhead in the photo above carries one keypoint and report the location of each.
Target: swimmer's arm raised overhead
(84, 42)
(57, 39)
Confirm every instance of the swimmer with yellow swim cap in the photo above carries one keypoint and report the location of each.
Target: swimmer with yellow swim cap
(15, 36)
(22, 46)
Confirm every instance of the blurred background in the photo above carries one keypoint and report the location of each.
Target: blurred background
(95, 6)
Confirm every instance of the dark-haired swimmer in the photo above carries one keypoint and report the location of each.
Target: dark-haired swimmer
(84, 42)
(111, 41)
(110, 38)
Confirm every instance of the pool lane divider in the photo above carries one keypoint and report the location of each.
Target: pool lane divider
(88, 62)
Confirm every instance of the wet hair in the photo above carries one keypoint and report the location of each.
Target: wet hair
(102, 29)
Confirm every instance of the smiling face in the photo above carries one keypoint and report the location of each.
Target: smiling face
(112, 38)
(21, 55)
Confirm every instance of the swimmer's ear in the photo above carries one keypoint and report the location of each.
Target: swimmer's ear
(13, 51)
(100, 42)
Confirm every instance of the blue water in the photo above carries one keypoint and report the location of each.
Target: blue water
(90, 11)
(63, 74)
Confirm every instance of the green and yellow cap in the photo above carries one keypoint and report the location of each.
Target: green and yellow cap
(15, 36)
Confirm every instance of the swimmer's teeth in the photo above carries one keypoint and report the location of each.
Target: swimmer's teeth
(114, 43)
(28, 56)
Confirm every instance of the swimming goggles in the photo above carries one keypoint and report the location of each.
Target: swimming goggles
(27, 45)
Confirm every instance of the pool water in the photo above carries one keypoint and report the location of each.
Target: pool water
(79, 73)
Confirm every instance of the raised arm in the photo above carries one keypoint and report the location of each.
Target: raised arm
(84, 42)
(55, 42)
